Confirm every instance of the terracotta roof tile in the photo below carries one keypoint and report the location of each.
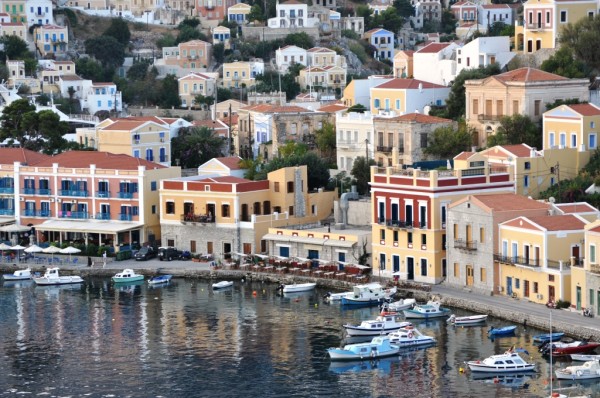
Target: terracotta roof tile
(214, 124)
(24, 156)
(332, 108)
(234, 119)
(510, 202)
(567, 222)
(410, 84)
(464, 155)
(576, 208)
(124, 125)
(419, 118)
(585, 109)
(527, 75)
(519, 150)
(102, 160)
(433, 48)
(231, 162)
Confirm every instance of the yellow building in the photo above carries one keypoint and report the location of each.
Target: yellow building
(241, 74)
(222, 34)
(51, 39)
(524, 91)
(400, 96)
(226, 214)
(403, 64)
(535, 255)
(322, 78)
(16, 10)
(193, 54)
(194, 84)
(586, 274)
(543, 20)
(17, 29)
(572, 126)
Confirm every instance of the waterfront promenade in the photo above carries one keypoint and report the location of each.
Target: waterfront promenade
(519, 311)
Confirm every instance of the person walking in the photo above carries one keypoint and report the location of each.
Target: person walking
(104, 259)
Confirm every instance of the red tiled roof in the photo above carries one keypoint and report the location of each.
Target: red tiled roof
(102, 160)
(510, 202)
(519, 150)
(433, 48)
(124, 125)
(214, 124)
(567, 222)
(268, 108)
(24, 156)
(226, 180)
(527, 75)
(419, 118)
(231, 162)
(234, 119)
(410, 84)
(464, 155)
(585, 109)
(576, 208)
(332, 108)
(154, 119)
(70, 77)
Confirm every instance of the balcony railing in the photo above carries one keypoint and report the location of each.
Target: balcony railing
(465, 244)
(398, 224)
(489, 118)
(201, 218)
(37, 213)
(7, 190)
(125, 217)
(74, 214)
(43, 191)
(73, 192)
(125, 195)
(28, 191)
(384, 149)
(7, 212)
(102, 216)
(516, 260)
(103, 194)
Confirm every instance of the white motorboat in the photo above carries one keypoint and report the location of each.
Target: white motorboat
(510, 361)
(467, 320)
(426, 311)
(402, 304)
(381, 325)
(222, 285)
(589, 370)
(298, 287)
(52, 277)
(585, 357)
(160, 279)
(379, 347)
(408, 336)
(368, 294)
(128, 275)
(331, 297)
(18, 275)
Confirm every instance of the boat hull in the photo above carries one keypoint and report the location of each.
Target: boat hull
(412, 314)
(63, 280)
(471, 320)
(585, 357)
(304, 287)
(542, 338)
(505, 331)
(577, 376)
(222, 285)
(357, 331)
(128, 279)
(11, 277)
(158, 280)
(481, 367)
(339, 354)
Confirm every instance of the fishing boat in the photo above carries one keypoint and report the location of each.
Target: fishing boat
(368, 294)
(589, 370)
(510, 361)
(18, 275)
(426, 311)
(503, 331)
(335, 297)
(379, 347)
(402, 304)
(467, 320)
(52, 277)
(563, 349)
(585, 357)
(222, 285)
(127, 275)
(409, 336)
(298, 287)
(542, 338)
(160, 279)
(381, 325)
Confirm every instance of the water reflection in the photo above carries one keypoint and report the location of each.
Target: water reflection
(383, 365)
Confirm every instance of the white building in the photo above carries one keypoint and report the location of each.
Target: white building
(290, 14)
(489, 14)
(434, 63)
(39, 12)
(352, 129)
(101, 97)
(290, 55)
(358, 91)
(484, 51)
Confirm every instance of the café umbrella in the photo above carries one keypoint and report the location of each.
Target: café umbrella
(17, 248)
(33, 249)
(51, 250)
(70, 250)
(4, 246)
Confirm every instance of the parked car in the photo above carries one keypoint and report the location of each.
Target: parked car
(168, 253)
(145, 253)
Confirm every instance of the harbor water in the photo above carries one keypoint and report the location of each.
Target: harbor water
(186, 340)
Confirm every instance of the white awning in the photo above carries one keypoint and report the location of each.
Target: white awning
(297, 239)
(87, 226)
(14, 228)
(339, 243)
(7, 220)
(302, 259)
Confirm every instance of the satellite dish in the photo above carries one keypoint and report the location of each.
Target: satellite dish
(551, 199)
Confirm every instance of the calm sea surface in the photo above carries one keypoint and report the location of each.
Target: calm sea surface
(184, 340)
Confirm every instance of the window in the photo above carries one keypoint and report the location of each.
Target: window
(170, 208)
(396, 236)
(527, 165)
(526, 181)
(409, 238)
(563, 16)
(153, 209)
(483, 276)
(376, 103)
(290, 187)
(517, 283)
(291, 210)
(153, 185)
(423, 137)
(276, 186)
(573, 140)
(475, 107)
(592, 254)
(456, 268)
(535, 287)
(592, 141)
(382, 234)
(481, 234)
(563, 140)
(225, 210)
(536, 107)
(423, 239)
(592, 125)
(552, 140)
(398, 104)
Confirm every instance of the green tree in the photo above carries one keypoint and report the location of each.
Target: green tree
(389, 19)
(12, 126)
(367, 14)
(219, 52)
(361, 171)
(223, 94)
(167, 40)
(404, 8)
(169, 92)
(516, 129)
(300, 39)
(139, 69)
(107, 50)
(189, 23)
(119, 29)
(88, 68)
(358, 108)
(326, 142)
(582, 38)
(203, 101)
(256, 13)
(318, 170)
(292, 148)
(563, 63)
(196, 147)
(187, 33)
(447, 142)
(14, 48)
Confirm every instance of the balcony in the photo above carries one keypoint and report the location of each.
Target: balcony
(28, 191)
(465, 244)
(489, 118)
(398, 224)
(7, 212)
(195, 218)
(384, 149)
(102, 216)
(74, 214)
(536, 26)
(37, 213)
(163, 159)
(7, 190)
(103, 194)
(515, 260)
(73, 192)
(43, 191)
(125, 195)
(125, 217)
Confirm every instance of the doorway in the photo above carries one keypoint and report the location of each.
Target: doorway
(551, 293)
(469, 273)
(226, 250)
(410, 268)
(509, 290)
(578, 298)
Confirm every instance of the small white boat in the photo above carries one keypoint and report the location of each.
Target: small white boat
(408, 336)
(381, 325)
(18, 275)
(52, 277)
(331, 297)
(585, 357)
(379, 347)
(402, 304)
(467, 320)
(128, 275)
(510, 361)
(589, 370)
(369, 294)
(222, 285)
(298, 287)
(160, 279)
(426, 311)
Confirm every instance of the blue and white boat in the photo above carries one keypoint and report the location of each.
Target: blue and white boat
(128, 275)
(18, 275)
(379, 347)
(160, 279)
(542, 338)
(409, 337)
(503, 331)
(381, 325)
(368, 295)
(427, 311)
